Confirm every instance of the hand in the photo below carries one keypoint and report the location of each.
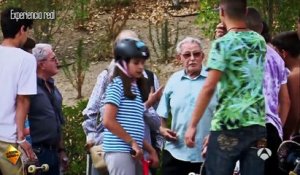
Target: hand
(220, 30)
(190, 137)
(153, 159)
(64, 161)
(28, 150)
(89, 144)
(154, 96)
(168, 134)
(137, 150)
(204, 146)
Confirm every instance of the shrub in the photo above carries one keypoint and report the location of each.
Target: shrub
(163, 40)
(76, 72)
(74, 138)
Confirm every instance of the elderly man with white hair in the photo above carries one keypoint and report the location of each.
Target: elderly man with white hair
(177, 102)
(45, 112)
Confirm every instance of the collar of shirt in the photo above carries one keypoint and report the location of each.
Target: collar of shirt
(50, 81)
(203, 73)
(145, 74)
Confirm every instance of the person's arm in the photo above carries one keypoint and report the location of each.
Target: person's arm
(166, 132)
(293, 120)
(91, 112)
(220, 30)
(152, 119)
(202, 102)
(153, 97)
(22, 108)
(156, 82)
(64, 160)
(284, 103)
(153, 158)
(110, 122)
(150, 115)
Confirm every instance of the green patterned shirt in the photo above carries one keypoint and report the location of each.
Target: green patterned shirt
(240, 56)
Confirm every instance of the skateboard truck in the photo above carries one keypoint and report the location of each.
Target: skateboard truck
(33, 168)
(297, 168)
(193, 173)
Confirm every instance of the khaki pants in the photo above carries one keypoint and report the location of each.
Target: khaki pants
(7, 168)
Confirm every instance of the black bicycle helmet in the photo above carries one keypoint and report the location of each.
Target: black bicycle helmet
(126, 49)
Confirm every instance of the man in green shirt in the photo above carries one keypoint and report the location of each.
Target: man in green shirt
(236, 67)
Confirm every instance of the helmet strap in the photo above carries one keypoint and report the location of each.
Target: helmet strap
(123, 67)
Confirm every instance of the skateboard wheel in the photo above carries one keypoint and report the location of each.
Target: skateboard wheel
(45, 167)
(192, 173)
(31, 169)
(292, 173)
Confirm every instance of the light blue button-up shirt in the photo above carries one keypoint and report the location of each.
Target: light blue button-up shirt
(178, 101)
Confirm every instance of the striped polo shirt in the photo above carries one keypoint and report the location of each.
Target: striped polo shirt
(129, 115)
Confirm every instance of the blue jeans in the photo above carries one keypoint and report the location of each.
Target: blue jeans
(226, 147)
(50, 157)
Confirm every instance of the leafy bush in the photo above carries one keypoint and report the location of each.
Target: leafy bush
(76, 72)
(81, 13)
(280, 15)
(163, 40)
(74, 138)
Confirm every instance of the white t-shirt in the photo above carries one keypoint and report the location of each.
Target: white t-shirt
(17, 77)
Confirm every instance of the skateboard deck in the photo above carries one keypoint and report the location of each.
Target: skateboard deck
(31, 167)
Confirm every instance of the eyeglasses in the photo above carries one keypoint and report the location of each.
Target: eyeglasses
(53, 59)
(189, 54)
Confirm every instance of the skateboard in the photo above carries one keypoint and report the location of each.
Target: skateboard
(202, 170)
(32, 166)
(289, 156)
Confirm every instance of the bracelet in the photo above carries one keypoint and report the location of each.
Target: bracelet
(22, 141)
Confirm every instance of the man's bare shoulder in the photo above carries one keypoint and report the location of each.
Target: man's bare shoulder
(294, 76)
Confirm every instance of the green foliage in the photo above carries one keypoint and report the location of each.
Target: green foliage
(81, 13)
(74, 138)
(112, 3)
(76, 72)
(165, 40)
(280, 15)
(208, 17)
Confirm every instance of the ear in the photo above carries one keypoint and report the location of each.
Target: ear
(222, 12)
(178, 58)
(285, 54)
(40, 64)
(203, 55)
(22, 29)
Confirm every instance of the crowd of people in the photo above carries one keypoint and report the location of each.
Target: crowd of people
(211, 116)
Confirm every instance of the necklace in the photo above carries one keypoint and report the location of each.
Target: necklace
(237, 28)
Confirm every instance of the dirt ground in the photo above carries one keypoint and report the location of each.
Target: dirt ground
(187, 26)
